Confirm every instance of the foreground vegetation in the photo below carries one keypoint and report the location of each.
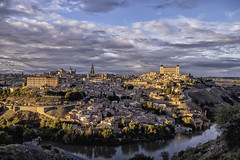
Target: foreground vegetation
(26, 152)
(225, 147)
(24, 125)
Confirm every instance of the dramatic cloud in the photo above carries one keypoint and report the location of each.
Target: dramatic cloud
(33, 39)
(90, 6)
(101, 6)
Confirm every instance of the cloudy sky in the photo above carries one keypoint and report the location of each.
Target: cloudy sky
(120, 36)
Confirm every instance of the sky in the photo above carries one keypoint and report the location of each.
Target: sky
(120, 36)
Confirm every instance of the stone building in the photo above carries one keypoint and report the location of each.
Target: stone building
(38, 81)
(169, 70)
(71, 71)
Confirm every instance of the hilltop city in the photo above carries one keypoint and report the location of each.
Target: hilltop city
(109, 109)
(110, 99)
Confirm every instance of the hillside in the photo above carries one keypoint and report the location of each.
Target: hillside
(29, 151)
(212, 98)
(226, 146)
(215, 149)
(60, 111)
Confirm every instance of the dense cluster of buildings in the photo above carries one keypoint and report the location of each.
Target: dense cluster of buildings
(166, 91)
(53, 79)
(13, 80)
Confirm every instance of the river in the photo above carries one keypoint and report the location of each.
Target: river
(178, 143)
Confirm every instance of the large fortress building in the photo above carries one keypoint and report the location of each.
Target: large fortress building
(37, 81)
(169, 70)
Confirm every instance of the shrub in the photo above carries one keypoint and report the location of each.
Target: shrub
(46, 146)
(165, 155)
(228, 118)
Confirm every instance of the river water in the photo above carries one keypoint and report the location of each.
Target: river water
(178, 143)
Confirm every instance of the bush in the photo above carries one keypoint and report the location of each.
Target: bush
(165, 155)
(228, 100)
(113, 98)
(74, 95)
(4, 138)
(29, 134)
(46, 146)
(228, 118)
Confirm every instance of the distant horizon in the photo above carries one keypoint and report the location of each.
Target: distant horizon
(113, 73)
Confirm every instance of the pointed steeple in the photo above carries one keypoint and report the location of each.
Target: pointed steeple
(92, 69)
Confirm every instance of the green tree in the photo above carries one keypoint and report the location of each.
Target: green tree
(4, 137)
(125, 130)
(29, 134)
(228, 118)
(43, 123)
(64, 126)
(165, 155)
(74, 95)
(89, 132)
(107, 133)
(68, 96)
(16, 131)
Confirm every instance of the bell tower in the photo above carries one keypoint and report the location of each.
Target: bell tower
(92, 69)
(161, 69)
(177, 69)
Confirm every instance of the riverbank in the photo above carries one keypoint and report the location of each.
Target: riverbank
(214, 149)
(178, 143)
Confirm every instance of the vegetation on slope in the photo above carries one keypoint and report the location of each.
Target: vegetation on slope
(25, 125)
(34, 96)
(225, 147)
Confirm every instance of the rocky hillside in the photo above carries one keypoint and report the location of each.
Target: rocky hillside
(212, 98)
(29, 151)
(215, 149)
(226, 146)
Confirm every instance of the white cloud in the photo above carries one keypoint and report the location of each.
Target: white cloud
(108, 54)
(48, 40)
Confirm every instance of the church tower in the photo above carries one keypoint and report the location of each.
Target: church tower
(177, 69)
(92, 69)
(161, 69)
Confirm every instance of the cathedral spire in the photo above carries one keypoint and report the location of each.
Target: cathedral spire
(92, 69)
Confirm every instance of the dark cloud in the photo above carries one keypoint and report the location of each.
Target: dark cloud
(10, 7)
(152, 41)
(33, 45)
(6, 10)
(205, 44)
(97, 6)
(216, 64)
(184, 4)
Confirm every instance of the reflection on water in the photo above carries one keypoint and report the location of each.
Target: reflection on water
(180, 142)
(130, 149)
(104, 151)
(151, 147)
